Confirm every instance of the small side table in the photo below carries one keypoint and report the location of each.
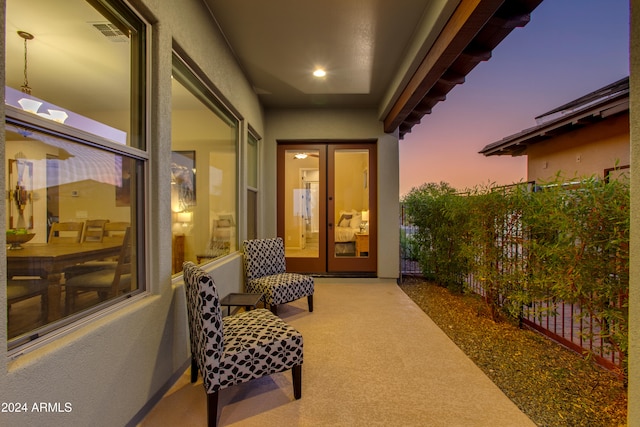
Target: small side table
(247, 301)
(362, 243)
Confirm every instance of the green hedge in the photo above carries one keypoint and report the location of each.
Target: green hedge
(526, 244)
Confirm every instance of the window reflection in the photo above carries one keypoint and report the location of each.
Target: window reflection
(75, 159)
(204, 173)
(75, 203)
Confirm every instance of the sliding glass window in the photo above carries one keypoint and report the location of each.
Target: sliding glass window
(75, 155)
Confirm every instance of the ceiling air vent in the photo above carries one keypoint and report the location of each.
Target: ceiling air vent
(110, 31)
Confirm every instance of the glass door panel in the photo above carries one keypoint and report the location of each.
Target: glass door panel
(351, 208)
(302, 224)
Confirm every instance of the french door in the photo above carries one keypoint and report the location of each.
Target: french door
(327, 206)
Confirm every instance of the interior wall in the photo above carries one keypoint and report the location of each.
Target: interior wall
(109, 367)
(339, 125)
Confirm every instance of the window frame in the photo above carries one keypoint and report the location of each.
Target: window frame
(137, 148)
(194, 80)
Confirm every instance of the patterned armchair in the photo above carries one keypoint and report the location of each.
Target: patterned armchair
(235, 349)
(265, 272)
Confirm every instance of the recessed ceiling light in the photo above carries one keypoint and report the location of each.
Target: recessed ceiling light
(319, 72)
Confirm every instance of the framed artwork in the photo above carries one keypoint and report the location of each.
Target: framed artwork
(20, 193)
(183, 177)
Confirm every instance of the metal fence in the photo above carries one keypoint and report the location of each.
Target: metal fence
(408, 251)
(562, 322)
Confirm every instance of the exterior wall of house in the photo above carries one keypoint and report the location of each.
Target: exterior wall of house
(585, 152)
(110, 366)
(340, 125)
(633, 419)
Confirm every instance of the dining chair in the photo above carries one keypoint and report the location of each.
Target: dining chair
(66, 232)
(107, 282)
(114, 231)
(94, 230)
(235, 349)
(21, 289)
(265, 273)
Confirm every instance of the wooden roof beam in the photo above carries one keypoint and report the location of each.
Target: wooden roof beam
(467, 20)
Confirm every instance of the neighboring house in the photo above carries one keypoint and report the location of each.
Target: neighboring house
(195, 109)
(585, 137)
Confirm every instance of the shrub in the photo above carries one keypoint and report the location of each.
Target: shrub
(529, 246)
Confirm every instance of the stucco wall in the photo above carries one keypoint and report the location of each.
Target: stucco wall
(585, 152)
(634, 277)
(108, 367)
(339, 125)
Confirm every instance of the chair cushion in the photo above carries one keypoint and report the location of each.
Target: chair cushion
(282, 288)
(88, 267)
(98, 279)
(257, 343)
(19, 288)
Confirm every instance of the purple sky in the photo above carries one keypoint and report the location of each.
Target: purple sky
(569, 48)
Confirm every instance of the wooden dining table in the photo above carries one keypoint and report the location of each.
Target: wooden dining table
(50, 260)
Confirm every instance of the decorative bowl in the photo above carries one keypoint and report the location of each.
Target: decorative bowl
(17, 240)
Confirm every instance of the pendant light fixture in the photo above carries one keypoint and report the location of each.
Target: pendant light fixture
(26, 36)
(32, 105)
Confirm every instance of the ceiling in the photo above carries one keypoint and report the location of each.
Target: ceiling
(400, 57)
(360, 44)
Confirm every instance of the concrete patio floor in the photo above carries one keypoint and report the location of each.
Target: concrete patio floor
(371, 358)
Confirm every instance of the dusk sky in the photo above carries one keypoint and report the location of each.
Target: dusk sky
(568, 49)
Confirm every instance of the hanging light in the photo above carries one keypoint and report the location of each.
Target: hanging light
(26, 36)
(33, 105)
(27, 104)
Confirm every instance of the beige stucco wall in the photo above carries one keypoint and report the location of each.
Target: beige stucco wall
(585, 152)
(110, 366)
(340, 125)
(634, 277)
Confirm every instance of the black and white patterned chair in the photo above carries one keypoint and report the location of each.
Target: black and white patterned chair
(238, 348)
(265, 273)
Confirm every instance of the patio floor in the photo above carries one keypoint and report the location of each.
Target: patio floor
(371, 357)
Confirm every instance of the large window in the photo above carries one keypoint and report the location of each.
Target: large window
(75, 161)
(253, 154)
(204, 171)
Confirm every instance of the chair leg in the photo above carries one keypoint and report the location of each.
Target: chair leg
(310, 301)
(274, 309)
(194, 369)
(212, 409)
(296, 373)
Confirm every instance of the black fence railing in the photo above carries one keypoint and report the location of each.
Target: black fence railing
(565, 323)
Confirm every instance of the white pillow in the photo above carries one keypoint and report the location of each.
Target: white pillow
(344, 222)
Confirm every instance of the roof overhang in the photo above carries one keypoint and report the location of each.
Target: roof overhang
(516, 144)
(473, 31)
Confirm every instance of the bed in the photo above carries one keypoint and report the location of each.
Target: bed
(347, 226)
